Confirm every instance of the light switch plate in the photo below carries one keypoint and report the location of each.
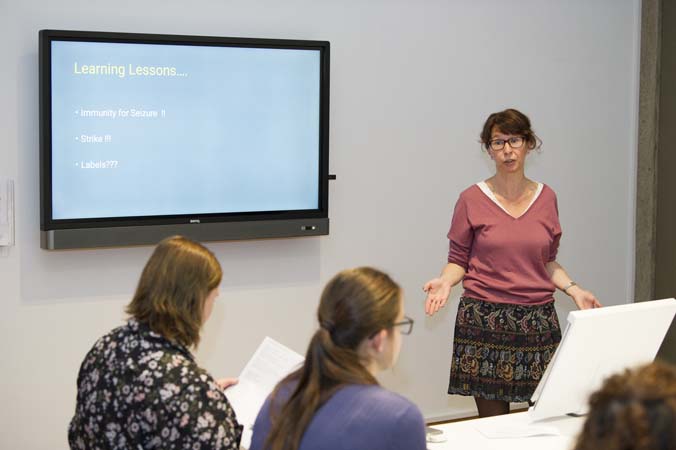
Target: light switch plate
(6, 212)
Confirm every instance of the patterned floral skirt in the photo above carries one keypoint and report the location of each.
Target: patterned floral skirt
(501, 350)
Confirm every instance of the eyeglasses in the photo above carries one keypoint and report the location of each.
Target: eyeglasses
(499, 144)
(406, 325)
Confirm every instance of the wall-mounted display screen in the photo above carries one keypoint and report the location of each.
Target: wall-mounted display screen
(162, 131)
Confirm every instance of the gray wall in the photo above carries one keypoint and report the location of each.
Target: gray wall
(412, 83)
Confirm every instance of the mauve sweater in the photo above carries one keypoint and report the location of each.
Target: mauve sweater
(504, 257)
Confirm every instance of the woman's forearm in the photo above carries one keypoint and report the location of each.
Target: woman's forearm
(452, 273)
(559, 276)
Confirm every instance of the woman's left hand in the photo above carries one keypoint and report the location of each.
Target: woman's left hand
(583, 298)
(225, 383)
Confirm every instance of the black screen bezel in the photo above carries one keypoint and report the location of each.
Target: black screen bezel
(46, 37)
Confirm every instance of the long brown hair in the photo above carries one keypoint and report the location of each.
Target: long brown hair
(355, 304)
(173, 288)
(635, 410)
(510, 121)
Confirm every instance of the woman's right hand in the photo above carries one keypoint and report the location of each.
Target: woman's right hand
(438, 290)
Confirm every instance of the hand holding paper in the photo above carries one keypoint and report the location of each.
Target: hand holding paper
(225, 383)
(270, 363)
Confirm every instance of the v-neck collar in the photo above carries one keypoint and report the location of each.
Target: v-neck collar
(487, 191)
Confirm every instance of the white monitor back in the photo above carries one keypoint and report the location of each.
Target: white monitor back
(598, 343)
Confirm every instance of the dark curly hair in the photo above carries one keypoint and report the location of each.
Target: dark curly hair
(634, 410)
(510, 121)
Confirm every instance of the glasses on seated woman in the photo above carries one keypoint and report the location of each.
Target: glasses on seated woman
(334, 401)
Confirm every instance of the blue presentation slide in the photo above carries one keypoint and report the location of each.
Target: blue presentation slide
(148, 130)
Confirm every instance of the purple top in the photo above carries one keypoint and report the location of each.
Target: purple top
(355, 417)
(504, 257)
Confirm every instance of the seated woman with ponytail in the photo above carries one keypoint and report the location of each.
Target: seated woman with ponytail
(334, 400)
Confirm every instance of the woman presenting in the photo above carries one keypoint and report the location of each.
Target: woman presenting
(504, 238)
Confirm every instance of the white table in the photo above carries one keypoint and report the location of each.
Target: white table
(468, 435)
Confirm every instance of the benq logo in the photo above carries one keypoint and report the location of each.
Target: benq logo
(194, 221)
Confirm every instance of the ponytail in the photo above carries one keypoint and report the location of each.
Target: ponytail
(355, 304)
(327, 367)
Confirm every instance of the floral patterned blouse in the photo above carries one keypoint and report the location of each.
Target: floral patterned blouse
(137, 390)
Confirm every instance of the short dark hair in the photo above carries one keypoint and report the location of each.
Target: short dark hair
(509, 121)
(173, 287)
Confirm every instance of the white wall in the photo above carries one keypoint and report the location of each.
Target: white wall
(412, 83)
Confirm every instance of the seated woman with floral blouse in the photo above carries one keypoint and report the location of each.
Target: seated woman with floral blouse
(139, 386)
